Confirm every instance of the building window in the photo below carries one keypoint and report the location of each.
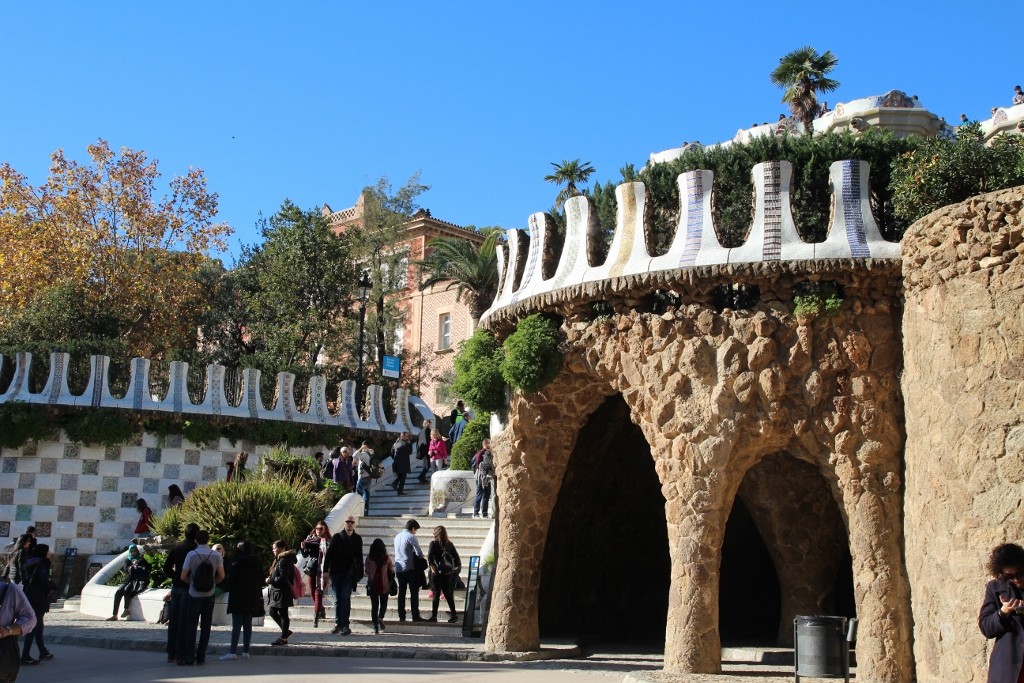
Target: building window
(444, 338)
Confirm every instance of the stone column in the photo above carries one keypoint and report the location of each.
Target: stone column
(963, 330)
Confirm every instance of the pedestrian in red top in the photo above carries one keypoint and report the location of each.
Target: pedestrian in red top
(145, 514)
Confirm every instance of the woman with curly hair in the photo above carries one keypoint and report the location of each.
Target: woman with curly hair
(1002, 614)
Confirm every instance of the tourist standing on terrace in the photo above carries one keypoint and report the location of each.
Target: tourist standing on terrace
(203, 570)
(483, 463)
(409, 566)
(315, 549)
(245, 599)
(1002, 614)
(444, 562)
(401, 461)
(438, 451)
(145, 515)
(423, 450)
(282, 573)
(343, 562)
(1018, 95)
(380, 573)
(37, 589)
(177, 607)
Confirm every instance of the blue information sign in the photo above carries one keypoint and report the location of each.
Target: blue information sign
(392, 367)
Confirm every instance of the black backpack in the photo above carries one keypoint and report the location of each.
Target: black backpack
(203, 578)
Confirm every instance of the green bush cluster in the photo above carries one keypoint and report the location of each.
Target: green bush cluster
(96, 426)
(478, 379)
(478, 429)
(817, 298)
(23, 422)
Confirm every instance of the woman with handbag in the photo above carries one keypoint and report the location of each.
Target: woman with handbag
(380, 582)
(313, 549)
(445, 565)
(37, 589)
(280, 595)
(137, 581)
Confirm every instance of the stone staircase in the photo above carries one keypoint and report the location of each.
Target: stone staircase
(388, 514)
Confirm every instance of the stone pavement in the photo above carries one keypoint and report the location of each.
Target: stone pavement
(73, 630)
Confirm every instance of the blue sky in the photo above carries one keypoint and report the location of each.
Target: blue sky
(313, 100)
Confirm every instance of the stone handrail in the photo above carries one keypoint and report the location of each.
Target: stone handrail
(852, 234)
(97, 394)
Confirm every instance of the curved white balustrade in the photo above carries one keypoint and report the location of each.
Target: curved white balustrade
(139, 396)
(852, 233)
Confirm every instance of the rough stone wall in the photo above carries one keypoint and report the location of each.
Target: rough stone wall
(714, 393)
(963, 331)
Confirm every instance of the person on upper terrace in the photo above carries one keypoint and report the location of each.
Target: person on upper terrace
(1018, 95)
(823, 109)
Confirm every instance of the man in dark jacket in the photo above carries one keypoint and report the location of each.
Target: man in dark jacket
(401, 463)
(176, 623)
(343, 562)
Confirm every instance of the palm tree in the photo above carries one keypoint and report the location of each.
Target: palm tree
(803, 73)
(569, 173)
(473, 271)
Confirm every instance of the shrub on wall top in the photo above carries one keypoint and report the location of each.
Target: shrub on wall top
(106, 427)
(478, 377)
(22, 422)
(532, 357)
(478, 429)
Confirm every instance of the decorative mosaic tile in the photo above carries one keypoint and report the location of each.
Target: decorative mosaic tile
(172, 441)
(90, 467)
(23, 513)
(108, 514)
(48, 466)
(6, 496)
(60, 545)
(87, 499)
(128, 500)
(26, 480)
(45, 497)
(189, 487)
(5, 529)
(153, 454)
(165, 502)
(150, 485)
(210, 473)
(43, 529)
(112, 453)
(84, 530)
(131, 469)
(192, 456)
(172, 471)
(69, 482)
(10, 465)
(72, 450)
(65, 513)
(109, 483)
(30, 448)
(136, 439)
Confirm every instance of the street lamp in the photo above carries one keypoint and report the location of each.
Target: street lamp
(364, 285)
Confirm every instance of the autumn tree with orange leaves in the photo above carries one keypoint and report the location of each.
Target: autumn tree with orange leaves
(98, 235)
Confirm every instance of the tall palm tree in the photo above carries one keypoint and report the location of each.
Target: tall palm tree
(569, 173)
(803, 73)
(472, 271)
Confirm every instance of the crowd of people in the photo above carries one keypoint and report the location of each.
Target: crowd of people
(25, 596)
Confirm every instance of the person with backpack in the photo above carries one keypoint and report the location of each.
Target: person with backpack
(245, 598)
(37, 589)
(343, 562)
(380, 575)
(178, 603)
(138, 570)
(202, 571)
(282, 575)
(444, 564)
(483, 463)
(401, 465)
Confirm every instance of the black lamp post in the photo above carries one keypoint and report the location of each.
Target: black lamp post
(364, 292)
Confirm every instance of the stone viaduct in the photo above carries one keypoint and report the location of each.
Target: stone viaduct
(705, 469)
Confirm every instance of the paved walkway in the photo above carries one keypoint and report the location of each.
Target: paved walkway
(73, 630)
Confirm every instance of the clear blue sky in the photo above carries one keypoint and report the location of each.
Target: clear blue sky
(313, 100)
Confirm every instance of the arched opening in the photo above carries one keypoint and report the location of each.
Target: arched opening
(606, 569)
(785, 553)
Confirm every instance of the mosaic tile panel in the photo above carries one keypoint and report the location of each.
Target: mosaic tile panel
(60, 545)
(65, 513)
(5, 529)
(72, 450)
(43, 529)
(10, 465)
(90, 467)
(109, 483)
(6, 496)
(150, 485)
(108, 514)
(48, 466)
(172, 472)
(45, 496)
(26, 480)
(189, 487)
(85, 530)
(173, 441)
(192, 457)
(153, 454)
(131, 469)
(69, 482)
(112, 453)
(210, 473)
(128, 500)
(23, 513)
(87, 498)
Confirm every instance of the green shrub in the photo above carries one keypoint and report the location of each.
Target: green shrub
(259, 510)
(478, 377)
(21, 423)
(200, 431)
(532, 357)
(478, 429)
(98, 426)
(817, 298)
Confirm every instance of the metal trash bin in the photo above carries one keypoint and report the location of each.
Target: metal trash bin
(820, 647)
